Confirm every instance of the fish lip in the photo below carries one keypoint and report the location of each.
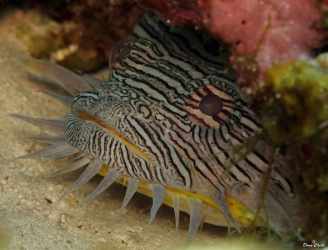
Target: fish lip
(110, 131)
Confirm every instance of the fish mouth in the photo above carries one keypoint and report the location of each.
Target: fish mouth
(211, 213)
(83, 115)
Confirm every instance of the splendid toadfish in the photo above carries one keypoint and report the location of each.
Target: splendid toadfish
(171, 124)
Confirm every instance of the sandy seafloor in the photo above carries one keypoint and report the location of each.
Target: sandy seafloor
(30, 216)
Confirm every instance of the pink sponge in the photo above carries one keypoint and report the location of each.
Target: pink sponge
(264, 32)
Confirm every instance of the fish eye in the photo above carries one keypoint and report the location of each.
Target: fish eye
(211, 105)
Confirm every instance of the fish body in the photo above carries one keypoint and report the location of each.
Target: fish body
(171, 124)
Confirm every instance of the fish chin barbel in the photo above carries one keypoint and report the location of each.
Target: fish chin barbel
(171, 124)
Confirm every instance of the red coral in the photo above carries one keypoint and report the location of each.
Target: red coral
(181, 13)
(260, 33)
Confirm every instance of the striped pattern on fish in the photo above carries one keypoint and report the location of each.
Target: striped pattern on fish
(170, 123)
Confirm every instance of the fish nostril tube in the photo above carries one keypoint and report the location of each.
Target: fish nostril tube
(123, 53)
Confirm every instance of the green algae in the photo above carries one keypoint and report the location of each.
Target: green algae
(294, 108)
(297, 95)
